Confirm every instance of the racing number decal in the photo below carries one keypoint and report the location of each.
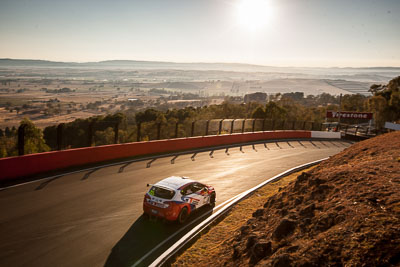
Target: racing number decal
(192, 200)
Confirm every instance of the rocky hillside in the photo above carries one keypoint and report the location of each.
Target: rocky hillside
(344, 212)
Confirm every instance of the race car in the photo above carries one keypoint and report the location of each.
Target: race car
(175, 198)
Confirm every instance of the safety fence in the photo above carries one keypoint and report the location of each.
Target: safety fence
(96, 133)
(28, 165)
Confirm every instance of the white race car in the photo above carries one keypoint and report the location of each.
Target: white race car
(174, 198)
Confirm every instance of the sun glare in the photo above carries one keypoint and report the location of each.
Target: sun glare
(254, 14)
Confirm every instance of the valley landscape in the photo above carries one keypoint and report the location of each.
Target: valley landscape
(50, 92)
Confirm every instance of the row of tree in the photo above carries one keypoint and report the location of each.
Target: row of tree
(123, 127)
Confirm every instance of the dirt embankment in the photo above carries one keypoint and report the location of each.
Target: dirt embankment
(344, 212)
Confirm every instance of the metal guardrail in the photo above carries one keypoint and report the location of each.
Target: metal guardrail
(354, 132)
(359, 133)
(186, 239)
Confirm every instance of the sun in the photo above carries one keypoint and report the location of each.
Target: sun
(254, 14)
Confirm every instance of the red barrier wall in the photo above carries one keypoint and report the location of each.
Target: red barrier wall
(15, 167)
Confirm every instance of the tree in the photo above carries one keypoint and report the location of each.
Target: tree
(147, 116)
(386, 102)
(354, 102)
(259, 113)
(275, 112)
(375, 88)
(395, 101)
(105, 137)
(7, 132)
(3, 152)
(325, 99)
(34, 142)
(377, 104)
(50, 136)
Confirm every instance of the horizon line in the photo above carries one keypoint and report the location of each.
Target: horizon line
(197, 62)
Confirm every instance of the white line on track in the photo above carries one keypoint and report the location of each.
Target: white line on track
(181, 230)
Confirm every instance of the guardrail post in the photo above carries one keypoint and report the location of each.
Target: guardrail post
(293, 124)
(192, 128)
(254, 125)
(366, 133)
(220, 126)
(244, 121)
(263, 125)
(176, 129)
(116, 130)
(158, 131)
(207, 124)
(283, 125)
(320, 126)
(273, 125)
(304, 125)
(60, 128)
(139, 125)
(232, 124)
(312, 126)
(90, 134)
(356, 131)
(21, 139)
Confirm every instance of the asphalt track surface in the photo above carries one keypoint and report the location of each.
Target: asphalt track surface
(94, 218)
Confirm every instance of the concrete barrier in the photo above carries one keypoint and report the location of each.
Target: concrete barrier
(28, 165)
(330, 135)
(392, 126)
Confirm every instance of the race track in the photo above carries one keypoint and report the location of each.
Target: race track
(93, 218)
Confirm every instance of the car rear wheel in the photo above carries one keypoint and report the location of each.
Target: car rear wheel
(183, 215)
(212, 199)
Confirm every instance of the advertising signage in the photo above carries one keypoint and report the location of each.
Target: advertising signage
(349, 115)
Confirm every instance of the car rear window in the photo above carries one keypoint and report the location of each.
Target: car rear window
(161, 192)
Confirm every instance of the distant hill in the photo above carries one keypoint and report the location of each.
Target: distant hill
(134, 64)
(7, 62)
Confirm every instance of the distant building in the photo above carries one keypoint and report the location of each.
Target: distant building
(233, 99)
(255, 97)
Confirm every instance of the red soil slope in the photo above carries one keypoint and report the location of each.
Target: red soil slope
(344, 212)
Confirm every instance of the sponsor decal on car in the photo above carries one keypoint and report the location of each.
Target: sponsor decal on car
(191, 200)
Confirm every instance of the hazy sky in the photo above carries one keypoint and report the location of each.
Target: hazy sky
(271, 32)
